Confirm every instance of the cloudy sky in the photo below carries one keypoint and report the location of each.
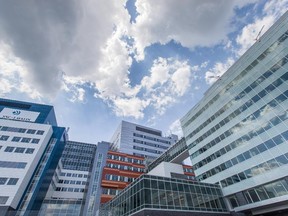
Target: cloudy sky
(102, 61)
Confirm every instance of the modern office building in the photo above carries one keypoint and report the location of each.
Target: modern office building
(237, 134)
(120, 170)
(30, 147)
(67, 191)
(112, 172)
(162, 196)
(141, 141)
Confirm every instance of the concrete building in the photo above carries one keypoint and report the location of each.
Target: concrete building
(29, 139)
(237, 134)
(141, 141)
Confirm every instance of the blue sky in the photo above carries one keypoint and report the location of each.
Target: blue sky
(99, 62)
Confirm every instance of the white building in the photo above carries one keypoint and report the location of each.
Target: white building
(237, 135)
(30, 145)
(22, 144)
(139, 140)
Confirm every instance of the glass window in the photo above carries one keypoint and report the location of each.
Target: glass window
(281, 160)
(234, 161)
(241, 176)
(19, 150)
(40, 132)
(12, 181)
(279, 188)
(247, 155)
(25, 140)
(262, 148)
(240, 158)
(16, 139)
(269, 144)
(254, 195)
(261, 193)
(3, 199)
(3, 181)
(31, 131)
(35, 141)
(233, 201)
(9, 149)
(4, 138)
(29, 151)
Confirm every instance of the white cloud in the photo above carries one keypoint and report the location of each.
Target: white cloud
(130, 107)
(218, 70)
(194, 23)
(271, 12)
(14, 74)
(175, 128)
(173, 83)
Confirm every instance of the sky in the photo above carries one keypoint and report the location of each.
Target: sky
(102, 61)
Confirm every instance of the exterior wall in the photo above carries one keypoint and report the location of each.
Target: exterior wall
(31, 145)
(93, 196)
(139, 140)
(171, 170)
(120, 170)
(70, 180)
(11, 151)
(165, 169)
(237, 134)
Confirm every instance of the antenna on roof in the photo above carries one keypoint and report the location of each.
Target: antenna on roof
(258, 36)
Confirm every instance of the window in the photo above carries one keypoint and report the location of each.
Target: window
(40, 132)
(3, 199)
(9, 164)
(4, 138)
(12, 181)
(16, 139)
(31, 131)
(29, 151)
(9, 149)
(19, 150)
(3, 181)
(26, 140)
(35, 141)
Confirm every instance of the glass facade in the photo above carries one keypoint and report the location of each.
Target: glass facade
(61, 208)
(175, 150)
(165, 194)
(78, 156)
(237, 134)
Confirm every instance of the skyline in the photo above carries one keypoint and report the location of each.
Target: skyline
(150, 65)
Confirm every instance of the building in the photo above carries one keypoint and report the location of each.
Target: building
(237, 134)
(141, 141)
(158, 196)
(120, 170)
(112, 171)
(30, 147)
(67, 191)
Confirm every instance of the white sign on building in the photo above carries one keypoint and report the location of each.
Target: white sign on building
(19, 115)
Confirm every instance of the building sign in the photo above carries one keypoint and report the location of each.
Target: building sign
(19, 115)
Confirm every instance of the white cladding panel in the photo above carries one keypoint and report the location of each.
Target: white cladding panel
(15, 192)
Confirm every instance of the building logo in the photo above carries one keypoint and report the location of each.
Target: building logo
(16, 112)
(19, 115)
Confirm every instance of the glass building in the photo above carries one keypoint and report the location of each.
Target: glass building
(162, 195)
(67, 191)
(237, 134)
